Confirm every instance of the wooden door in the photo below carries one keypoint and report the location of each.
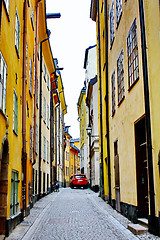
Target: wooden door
(141, 169)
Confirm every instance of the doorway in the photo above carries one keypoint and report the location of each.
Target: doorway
(4, 158)
(141, 169)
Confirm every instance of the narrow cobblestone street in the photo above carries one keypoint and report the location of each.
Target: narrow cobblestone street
(75, 214)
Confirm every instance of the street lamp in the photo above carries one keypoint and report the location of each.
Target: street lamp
(89, 132)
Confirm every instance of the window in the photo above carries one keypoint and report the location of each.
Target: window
(44, 71)
(3, 83)
(32, 15)
(132, 48)
(44, 110)
(113, 93)
(48, 82)
(36, 138)
(44, 148)
(47, 116)
(37, 94)
(112, 24)
(30, 76)
(118, 10)
(17, 33)
(14, 193)
(26, 59)
(15, 112)
(120, 77)
(47, 151)
(30, 143)
(7, 5)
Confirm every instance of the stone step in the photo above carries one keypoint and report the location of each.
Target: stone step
(137, 228)
(143, 222)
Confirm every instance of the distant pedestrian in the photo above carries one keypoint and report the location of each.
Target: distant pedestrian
(56, 186)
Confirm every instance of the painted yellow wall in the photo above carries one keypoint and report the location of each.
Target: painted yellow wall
(152, 26)
(127, 113)
(14, 65)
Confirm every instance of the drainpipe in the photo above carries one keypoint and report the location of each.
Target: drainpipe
(100, 92)
(40, 114)
(0, 16)
(52, 124)
(152, 218)
(107, 103)
(24, 80)
(35, 94)
(56, 107)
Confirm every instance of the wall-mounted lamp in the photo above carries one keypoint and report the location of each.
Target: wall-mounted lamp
(89, 131)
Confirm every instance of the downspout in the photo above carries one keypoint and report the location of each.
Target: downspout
(24, 80)
(100, 92)
(40, 114)
(152, 220)
(107, 104)
(59, 151)
(35, 93)
(0, 16)
(52, 136)
(56, 107)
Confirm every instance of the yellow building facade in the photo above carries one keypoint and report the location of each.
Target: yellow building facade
(128, 116)
(82, 114)
(11, 55)
(26, 60)
(67, 156)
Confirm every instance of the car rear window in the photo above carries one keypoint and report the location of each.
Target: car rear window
(80, 176)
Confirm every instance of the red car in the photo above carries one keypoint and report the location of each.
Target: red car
(79, 180)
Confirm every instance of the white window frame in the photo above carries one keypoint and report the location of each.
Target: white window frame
(48, 81)
(47, 116)
(15, 112)
(44, 148)
(30, 76)
(36, 139)
(30, 143)
(3, 83)
(118, 10)
(120, 77)
(7, 5)
(14, 193)
(44, 109)
(17, 32)
(112, 30)
(47, 151)
(113, 83)
(32, 15)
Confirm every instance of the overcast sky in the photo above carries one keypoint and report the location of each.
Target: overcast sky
(70, 36)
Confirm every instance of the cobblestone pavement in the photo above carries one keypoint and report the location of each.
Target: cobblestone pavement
(74, 214)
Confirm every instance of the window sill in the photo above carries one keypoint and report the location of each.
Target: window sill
(17, 51)
(15, 132)
(133, 84)
(121, 101)
(112, 44)
(6, 12)
(1, 111)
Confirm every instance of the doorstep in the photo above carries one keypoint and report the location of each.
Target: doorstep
(137, 228)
